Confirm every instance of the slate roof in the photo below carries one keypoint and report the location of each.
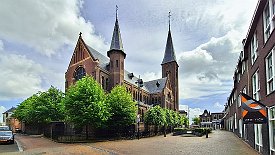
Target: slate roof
(103, 61)
(116, 43)
(169, 55)
(149, 86)
(152, 85)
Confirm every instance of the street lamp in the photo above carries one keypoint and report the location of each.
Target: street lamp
(140, 84)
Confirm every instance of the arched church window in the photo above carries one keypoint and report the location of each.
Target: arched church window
(102, 82)
(80, 72)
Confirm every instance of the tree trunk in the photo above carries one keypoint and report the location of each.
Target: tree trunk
(87, 134)
(164, 130)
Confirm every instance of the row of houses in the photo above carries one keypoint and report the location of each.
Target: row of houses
(255, 76)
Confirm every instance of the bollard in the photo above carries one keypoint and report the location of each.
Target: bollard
(206, 134)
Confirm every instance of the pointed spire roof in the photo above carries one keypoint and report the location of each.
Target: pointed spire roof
(169, 55)
(116, 43)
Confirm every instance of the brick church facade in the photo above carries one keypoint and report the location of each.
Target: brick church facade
(110, 71)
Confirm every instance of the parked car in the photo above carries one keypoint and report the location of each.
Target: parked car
(4, 128)
(6, 137)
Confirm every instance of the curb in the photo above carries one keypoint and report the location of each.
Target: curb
(20, 147)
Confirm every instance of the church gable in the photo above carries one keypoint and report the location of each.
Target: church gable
(81, 52)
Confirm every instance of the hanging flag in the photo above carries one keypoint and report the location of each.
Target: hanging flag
(253, 111)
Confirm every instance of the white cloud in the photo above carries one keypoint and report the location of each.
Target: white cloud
(148, 76)
(46, 26)
(2, 109)
(208, 69)
(20, 76)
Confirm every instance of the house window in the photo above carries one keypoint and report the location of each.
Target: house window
(238, 77)
(243, 66)
(256, 85)
(80, 72)
(272, 128)
(239, 100)
(254, 48)
(245, 131)
(258, 136)
(269, 73)
(235, 121)
(244, 90)
(241, 127)
(266, 17)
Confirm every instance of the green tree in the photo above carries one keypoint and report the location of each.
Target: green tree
(169, 118)
(155, 116)
(41, 108)
(196, 120)
(85, 104)
(122, 109)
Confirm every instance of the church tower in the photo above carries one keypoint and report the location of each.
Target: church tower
(170, 67)
(117, 56)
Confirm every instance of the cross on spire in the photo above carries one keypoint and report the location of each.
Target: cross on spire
(116, 11)
(169, 16)
(80, 33)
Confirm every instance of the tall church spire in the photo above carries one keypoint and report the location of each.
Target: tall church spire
(116, 43)
(169, 55)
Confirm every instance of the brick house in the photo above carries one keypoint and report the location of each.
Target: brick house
(13, 123)
(110, 71)
(211, 120)
(254, 75)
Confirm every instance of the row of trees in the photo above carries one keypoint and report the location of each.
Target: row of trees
(84, 104)
(164, 117)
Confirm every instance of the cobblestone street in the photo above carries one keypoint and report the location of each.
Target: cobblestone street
(219, 142)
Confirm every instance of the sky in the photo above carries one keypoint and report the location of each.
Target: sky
(37, 39)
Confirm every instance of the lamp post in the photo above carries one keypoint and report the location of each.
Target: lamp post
(140, 84)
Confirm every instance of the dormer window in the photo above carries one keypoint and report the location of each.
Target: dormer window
(131, 75)
(158, 84)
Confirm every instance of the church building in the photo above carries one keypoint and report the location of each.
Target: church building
(110, 71)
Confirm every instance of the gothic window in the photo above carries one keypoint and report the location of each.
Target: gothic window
(80, 72)
(116, 63)
(144, 98)
(107, 83)
(102, 82)
(112, 64)
(159, 100)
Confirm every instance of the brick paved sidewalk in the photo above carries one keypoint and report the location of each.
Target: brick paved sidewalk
(36, 145)
(218, 143)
